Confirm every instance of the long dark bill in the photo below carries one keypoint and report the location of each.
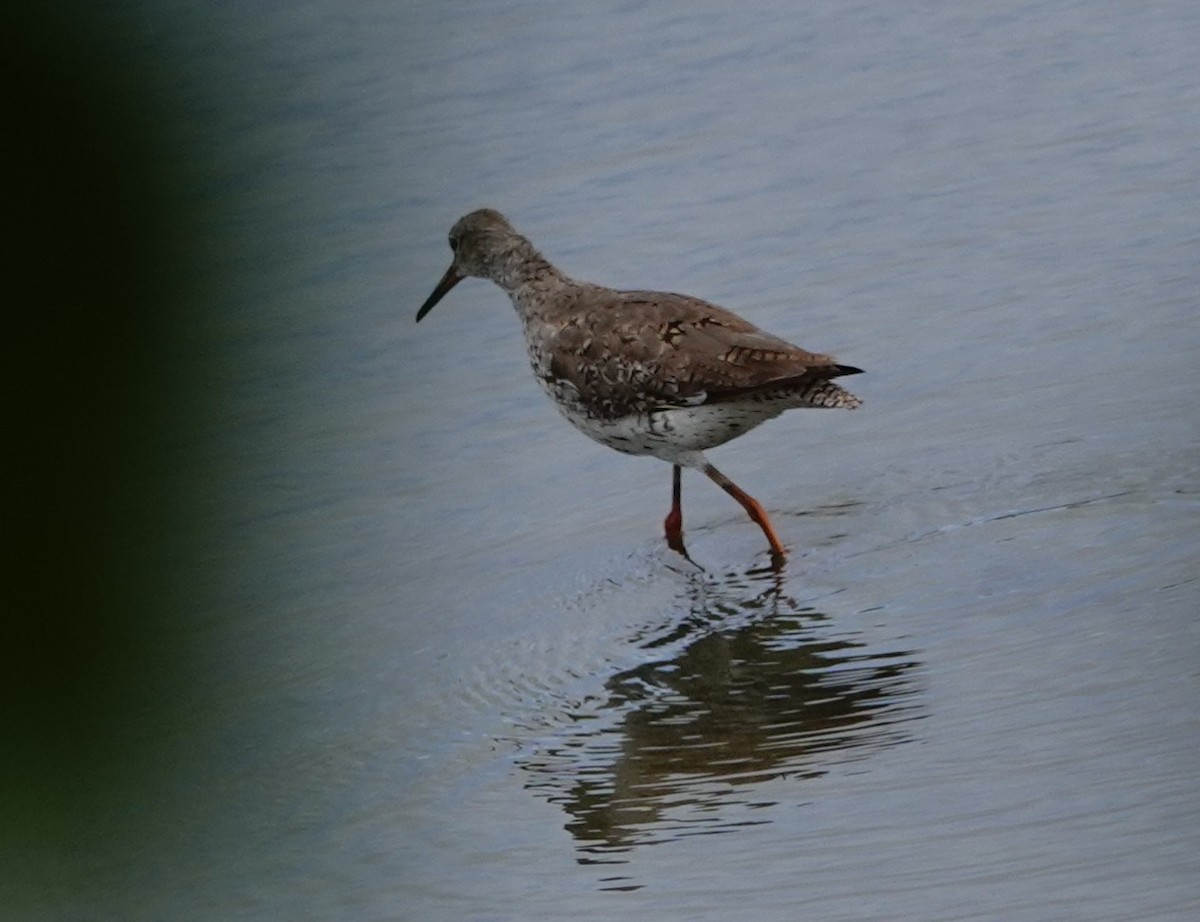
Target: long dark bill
(449, 280)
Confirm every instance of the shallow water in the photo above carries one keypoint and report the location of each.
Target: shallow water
(450, 669)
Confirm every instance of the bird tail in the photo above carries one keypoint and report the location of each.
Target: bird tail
(815, 389)
(829, 395)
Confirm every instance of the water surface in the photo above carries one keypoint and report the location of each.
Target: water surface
(452, 671)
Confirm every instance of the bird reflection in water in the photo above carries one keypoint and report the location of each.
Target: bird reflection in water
(750, 688)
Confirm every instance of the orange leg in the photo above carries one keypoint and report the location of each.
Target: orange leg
(753, 508)
(674, 521)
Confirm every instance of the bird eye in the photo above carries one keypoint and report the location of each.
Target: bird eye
(453, 243)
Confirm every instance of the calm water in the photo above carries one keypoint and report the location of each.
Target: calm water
(448, 669)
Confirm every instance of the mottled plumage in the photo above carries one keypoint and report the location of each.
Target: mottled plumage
(644, 372)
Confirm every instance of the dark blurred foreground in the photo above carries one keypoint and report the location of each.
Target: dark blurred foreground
(101, 286)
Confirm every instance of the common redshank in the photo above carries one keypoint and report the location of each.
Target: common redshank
(645, 372)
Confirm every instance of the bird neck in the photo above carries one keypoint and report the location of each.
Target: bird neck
(529, 278)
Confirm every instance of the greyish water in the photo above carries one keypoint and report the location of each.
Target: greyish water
(453, 673)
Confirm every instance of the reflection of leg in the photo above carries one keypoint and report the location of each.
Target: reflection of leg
(752, 507)
(674, 523)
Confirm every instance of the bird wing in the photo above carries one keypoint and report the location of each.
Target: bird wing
(646, 350)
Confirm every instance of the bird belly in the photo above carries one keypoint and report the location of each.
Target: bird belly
(675, 433)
